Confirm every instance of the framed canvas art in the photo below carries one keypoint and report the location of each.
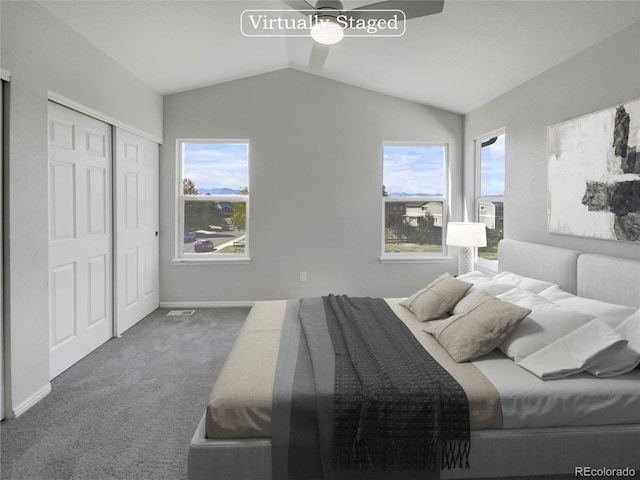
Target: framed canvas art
(594, 175)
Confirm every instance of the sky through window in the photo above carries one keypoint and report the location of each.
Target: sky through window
(492, 168)
(413, 170)
(214, 166)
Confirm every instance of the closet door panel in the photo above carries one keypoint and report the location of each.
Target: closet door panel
(80, 236)
(137, 224)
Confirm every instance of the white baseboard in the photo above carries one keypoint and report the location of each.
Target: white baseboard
(32, 400)
(192, 305)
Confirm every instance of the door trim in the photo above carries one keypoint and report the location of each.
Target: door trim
(2, 280)
(72, 104)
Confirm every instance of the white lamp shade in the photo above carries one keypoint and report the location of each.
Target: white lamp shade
(466, 234)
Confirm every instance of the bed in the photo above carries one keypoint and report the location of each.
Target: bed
(234, 438)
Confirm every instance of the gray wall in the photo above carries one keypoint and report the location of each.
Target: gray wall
(315, 185)
(43, 54)
(600, 77)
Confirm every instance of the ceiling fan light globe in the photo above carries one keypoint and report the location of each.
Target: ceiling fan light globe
(327, 33)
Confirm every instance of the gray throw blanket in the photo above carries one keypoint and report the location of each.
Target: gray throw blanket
(380, 408)
(395, 407)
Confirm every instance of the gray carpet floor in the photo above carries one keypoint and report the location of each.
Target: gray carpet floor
(129, 409)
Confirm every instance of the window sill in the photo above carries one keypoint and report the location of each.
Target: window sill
(416, 259)
(211, 261)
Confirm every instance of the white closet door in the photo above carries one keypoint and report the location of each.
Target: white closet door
(80, 236)
(137, 220)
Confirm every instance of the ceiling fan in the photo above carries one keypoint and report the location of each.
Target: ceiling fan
(329, 31)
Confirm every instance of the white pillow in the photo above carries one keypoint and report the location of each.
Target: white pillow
(610, 313)
(627, 359)
(575, 352)
(488, 285)
(525, 283)
(473, 277)
(546, 323)
(555, 293)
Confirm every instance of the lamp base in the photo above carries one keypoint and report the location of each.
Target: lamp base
(465, 260)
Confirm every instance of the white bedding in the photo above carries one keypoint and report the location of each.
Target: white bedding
(582, 399)
(527, 400)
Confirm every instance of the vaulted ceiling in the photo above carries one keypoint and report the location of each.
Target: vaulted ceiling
(457, 60)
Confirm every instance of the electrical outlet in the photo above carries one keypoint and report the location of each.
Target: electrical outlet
(303, 276)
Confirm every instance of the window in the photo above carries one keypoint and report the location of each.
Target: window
(414, 199)
(490, 168)
(213, 200)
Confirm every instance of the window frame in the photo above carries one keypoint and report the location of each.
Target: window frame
(180, 257)
(422, 257)
(483, 263)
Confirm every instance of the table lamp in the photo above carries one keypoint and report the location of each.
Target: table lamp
(466, 235)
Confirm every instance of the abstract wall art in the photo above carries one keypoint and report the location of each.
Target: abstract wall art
(594, 175)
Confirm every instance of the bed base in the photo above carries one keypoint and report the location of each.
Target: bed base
(494, 453)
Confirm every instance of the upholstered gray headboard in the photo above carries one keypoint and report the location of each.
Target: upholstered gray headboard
(609, 279)
(551, 264)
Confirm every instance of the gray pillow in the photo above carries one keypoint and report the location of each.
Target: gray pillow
(480, 329)
(437, 298)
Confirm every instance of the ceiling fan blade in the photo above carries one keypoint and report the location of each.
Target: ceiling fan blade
(299, 4)
(411, 9)
(318, 56)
